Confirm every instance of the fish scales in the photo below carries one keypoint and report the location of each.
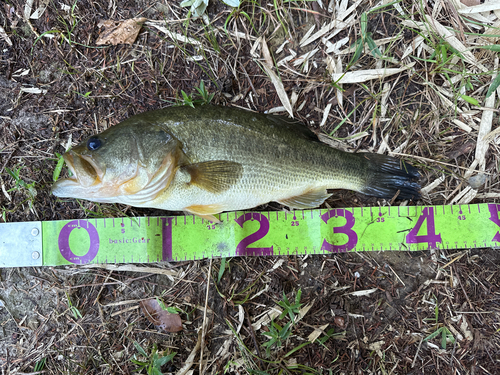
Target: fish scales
(277, 163)
(215, 159)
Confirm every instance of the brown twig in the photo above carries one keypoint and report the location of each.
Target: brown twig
(204, 326)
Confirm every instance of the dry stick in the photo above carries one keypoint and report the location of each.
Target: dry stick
(463, 290)
(205, 317)
(6, 161)
(396, 274)
(249, 80)
(435, 161)
(285, 369)
(457, 19)
(254, 339)
(416, 354)
(102, 287)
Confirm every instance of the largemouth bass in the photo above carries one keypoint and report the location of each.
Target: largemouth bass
(211, 159)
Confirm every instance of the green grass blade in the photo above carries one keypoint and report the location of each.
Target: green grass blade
(494, 85)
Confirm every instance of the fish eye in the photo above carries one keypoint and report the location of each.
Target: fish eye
(93, 143)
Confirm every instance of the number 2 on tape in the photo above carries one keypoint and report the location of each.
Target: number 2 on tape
(242, 248)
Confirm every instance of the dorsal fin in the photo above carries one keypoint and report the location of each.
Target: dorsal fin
(293, 125)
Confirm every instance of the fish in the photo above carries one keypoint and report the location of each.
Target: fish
(211, 159)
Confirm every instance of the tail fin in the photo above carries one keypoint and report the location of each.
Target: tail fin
(388, 175)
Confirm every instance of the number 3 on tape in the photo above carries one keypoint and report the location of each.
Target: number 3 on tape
(352, 237)
(431, 237)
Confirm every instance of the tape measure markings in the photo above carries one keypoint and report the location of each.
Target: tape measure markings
(114, 240)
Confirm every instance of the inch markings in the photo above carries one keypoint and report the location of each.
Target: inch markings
(128, 240)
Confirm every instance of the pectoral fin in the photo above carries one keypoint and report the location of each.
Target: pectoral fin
(310, 199)
(215, 176)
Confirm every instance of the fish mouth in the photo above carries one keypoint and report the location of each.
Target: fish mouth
(133, 186)
(86, 177)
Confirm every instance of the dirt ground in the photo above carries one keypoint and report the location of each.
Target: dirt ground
(359, 312)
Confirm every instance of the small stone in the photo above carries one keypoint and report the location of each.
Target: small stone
(477, 181)
(339, 321)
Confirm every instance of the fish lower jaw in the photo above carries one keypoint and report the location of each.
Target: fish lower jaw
(63, 188)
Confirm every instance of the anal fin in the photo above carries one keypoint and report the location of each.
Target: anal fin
(309, 199)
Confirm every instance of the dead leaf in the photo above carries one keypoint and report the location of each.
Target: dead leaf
(470, 3)
(159, 317)
(460, 147)
(4, 36)
(278, 85)
(120, 32)
(368, 74)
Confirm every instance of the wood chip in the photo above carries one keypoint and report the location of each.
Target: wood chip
(303, 311)
(317, 333)
(33, 90)
(434, 184)
(360, 293)
(469, 195)
(484, 130)
(462, 125)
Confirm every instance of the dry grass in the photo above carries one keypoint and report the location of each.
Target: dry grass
(420, 94)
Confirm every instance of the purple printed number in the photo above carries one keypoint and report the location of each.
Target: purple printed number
(494, 209)
(166, 238)
(242, 248)
(352, 237)
(63, 242)
(431, 237)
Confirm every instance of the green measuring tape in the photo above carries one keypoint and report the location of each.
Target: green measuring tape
(319, 231)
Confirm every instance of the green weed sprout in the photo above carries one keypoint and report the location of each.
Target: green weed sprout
(22, 185)
(277, 336)
(289, 308)
(154, 360)
(189, 100)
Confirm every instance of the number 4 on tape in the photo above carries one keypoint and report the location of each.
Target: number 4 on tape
(427, 219)
(494, 209)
